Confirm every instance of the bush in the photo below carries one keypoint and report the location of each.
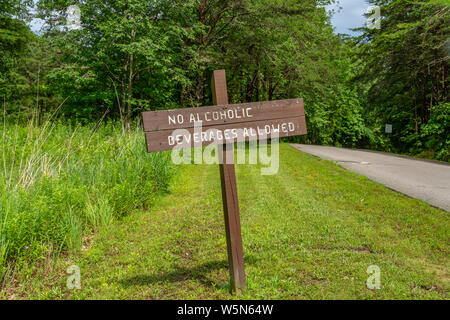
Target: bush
(436, 133)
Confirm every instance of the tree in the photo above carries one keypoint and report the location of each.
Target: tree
(14, 36)
(132, 55)
(405, 65)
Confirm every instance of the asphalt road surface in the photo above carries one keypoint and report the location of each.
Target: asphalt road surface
(425, 180)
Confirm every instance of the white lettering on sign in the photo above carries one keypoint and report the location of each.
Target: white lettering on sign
(178, 119)
(236, 113)
(213, 134)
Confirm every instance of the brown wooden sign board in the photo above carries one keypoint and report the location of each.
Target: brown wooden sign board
(224, 124)
(222, 114)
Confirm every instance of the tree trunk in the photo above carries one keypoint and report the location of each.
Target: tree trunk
(200, 87)
(129, 110)
(424, 101)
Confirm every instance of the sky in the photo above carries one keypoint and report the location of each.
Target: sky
(349, 16)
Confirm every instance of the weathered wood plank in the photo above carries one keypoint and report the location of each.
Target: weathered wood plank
(245, 131)
(229, 196)
(222, 114)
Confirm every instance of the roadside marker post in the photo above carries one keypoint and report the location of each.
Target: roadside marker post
(388, 131)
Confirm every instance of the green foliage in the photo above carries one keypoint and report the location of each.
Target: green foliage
(18, 8)
(60, 182)
(134, 55)
(436, 133)
(123, 60)
(404, 74)
(14, 35)
(99, 214)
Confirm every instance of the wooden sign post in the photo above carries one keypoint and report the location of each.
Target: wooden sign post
(224, 124)
(229, 195)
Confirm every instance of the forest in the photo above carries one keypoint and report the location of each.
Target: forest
(132, 56)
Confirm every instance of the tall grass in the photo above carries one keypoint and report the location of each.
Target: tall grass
(60, 182)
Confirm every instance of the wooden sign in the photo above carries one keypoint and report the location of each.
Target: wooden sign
(224, 124)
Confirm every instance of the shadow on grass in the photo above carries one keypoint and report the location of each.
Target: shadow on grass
(199, 273)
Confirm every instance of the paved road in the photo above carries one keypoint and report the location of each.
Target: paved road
(425, 180)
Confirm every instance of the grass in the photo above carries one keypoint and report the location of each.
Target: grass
(59, 184)
(309, 232)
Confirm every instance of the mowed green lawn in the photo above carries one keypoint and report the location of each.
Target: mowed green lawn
(309, 232)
